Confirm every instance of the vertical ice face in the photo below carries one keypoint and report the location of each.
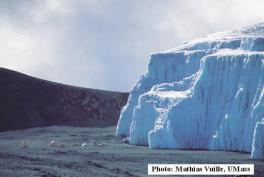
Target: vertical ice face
(205, 94)
(143, 85)
(258, 142)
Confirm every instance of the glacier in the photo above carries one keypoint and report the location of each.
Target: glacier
(258, 142)
(205, 94)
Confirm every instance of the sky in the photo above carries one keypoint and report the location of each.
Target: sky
(106, 44)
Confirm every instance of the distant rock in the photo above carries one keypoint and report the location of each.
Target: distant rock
(84, 144)
(56, 144)
(23, 145)
(27, 102)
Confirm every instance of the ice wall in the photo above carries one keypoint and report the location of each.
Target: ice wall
(205, 94)
(258, 142)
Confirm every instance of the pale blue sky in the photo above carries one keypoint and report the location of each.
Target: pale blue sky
(106, 44)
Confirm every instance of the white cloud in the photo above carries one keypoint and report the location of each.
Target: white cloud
(105, 44)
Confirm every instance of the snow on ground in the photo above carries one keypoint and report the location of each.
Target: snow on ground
(205, 94)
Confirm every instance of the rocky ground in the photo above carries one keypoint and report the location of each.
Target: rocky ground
(83, 152)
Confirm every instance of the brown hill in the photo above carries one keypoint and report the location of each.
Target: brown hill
(27, 102)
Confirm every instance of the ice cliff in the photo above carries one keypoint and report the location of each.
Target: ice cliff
(205, 94)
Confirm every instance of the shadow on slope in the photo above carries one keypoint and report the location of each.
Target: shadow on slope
(27, 102)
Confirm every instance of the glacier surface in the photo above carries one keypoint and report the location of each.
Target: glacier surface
(205, 94)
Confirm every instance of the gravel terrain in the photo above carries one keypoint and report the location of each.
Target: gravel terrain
(59, 151)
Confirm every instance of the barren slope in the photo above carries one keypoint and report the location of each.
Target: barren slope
(29, 102)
